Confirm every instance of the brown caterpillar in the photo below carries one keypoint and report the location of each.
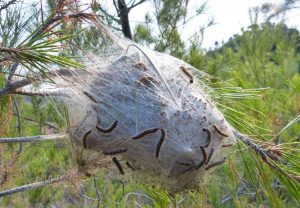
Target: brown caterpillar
(147, 80)
(160, 142)
(203, 160)
(115, 152)
(110, 129)
(118, 164)
(144, 133)
(210, 154)
(187, 73)
(84, 138)
(220, 132)
(227, 145)
(140, 65)
(220, 162)
(208, 132)
(130, 166)
(90, 96)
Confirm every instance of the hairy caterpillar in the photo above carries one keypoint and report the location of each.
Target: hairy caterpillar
(227, 145)
(147, 80)
(140, 65)
(115, 152)
(220, 132)
(130, 166)
(144, 133)
(90, 96)
(110, 129)
(203, 160)
(208, 132)
(210, 154)
(220, 162)
(118, 164)
(84, 138)
(187, 73)
(160, 142)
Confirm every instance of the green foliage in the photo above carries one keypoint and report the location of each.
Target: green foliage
(170, 18)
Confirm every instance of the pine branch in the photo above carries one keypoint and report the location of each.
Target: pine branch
(34, 138)
(49, 22)
(38, 93)
(12, 87)
(264, 153)
(33, 185)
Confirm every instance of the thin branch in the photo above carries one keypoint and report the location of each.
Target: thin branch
(34, 138)
(79, 15)
(38, 93)
(136, 4)
(33, 185)
(12, 87)
(4, 6)
(97, 192)
(18, 114)
(109, 15)
(31, 120)
(9, 50)
(116, 7)
(258, 149)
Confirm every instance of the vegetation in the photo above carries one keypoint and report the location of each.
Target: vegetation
(264, 59)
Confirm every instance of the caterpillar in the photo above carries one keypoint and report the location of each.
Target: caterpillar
(147, 80)
(220, 132)
(130, 166)
(208, 132)
(90, 96)
(220, 162)
(227, 145)
(144, 133)
(160, 142)
(84, 138)
(118, 164)
(203, 160)
(140, 65)
(210, 154)
(187, 73)
(110, 129)
(115, 152)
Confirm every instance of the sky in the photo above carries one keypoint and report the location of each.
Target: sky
(229, 15)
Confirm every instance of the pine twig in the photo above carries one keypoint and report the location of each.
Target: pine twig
(33, 185)
(34, 138)
(258, 149)
(35, 121)
(12, 87)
